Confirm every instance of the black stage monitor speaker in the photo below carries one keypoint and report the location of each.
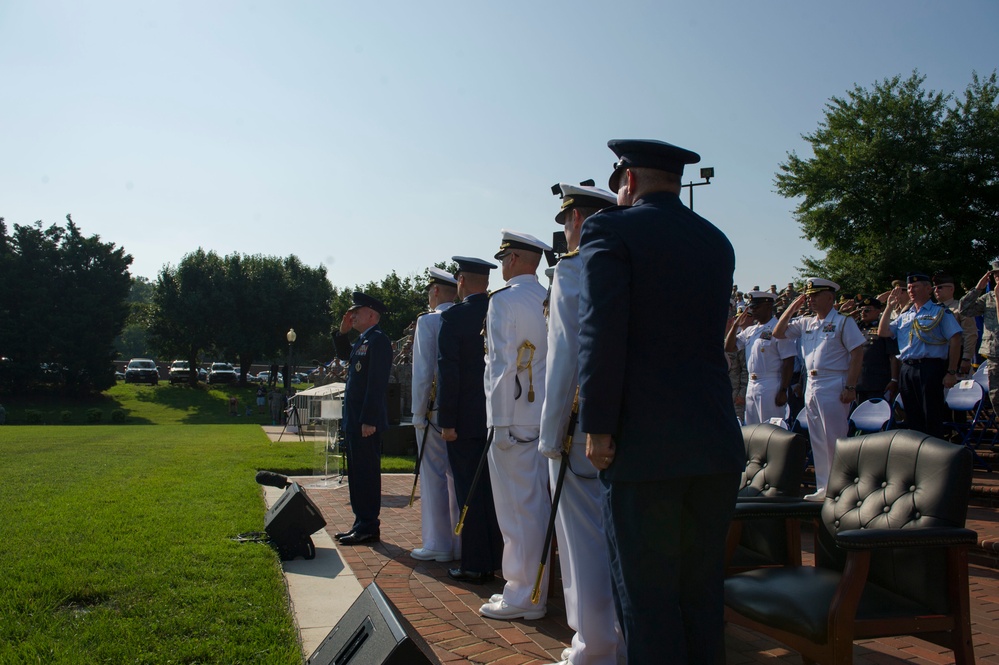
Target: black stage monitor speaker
(290, 523)
(373, 632)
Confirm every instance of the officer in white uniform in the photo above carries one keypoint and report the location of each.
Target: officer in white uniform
(770, 361)
(583, 553)
(438, 503)
(516, 344)
(833, 348)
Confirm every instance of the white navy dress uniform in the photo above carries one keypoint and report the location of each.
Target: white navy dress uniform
(583, 551)
(516, 346)
(439, 510)
(764, 356)
(825, 346)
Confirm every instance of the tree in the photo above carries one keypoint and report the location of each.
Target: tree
(238, 307)
(133, 342)
(900, 179)
(187, 308)
(62, 306)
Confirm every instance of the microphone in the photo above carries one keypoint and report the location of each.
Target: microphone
(273, 479)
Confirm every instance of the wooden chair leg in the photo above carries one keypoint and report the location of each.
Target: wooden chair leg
(957, 573)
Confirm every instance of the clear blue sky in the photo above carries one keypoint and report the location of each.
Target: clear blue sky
(371, 137)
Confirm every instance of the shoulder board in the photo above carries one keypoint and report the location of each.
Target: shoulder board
(569, 255)
(421, 314)
(612, 209)
(502, 288)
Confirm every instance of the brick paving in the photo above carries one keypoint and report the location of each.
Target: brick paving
(446, 612)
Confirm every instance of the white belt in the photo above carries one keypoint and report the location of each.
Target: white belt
(815, 373)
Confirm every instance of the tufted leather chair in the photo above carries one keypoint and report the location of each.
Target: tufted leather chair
(775, 462)
(891, 554)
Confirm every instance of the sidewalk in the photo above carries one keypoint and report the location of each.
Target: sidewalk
(446, 612)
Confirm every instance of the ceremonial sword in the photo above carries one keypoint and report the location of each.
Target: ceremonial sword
(423, 443)
(563, 467)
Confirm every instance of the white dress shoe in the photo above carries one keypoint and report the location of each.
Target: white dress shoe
(501, 610)
(423, 554)
(566, 652)
(495, 598)
(819, 495)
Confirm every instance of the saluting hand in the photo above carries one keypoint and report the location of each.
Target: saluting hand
(346, 323)
(743, 319)
(797, 303)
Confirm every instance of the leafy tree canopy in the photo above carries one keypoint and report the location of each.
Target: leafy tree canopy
(239, 308)
(62, 305)
(900, 179)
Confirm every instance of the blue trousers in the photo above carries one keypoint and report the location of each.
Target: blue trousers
(481, 540)
(364, 476)
(667, 556)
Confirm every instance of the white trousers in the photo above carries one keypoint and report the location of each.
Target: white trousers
(828, 420)
(438, 503)
(519, 478)
(583, 556)
(760, 395)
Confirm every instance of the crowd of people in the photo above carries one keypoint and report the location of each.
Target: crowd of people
(916, 341)
(526, 393)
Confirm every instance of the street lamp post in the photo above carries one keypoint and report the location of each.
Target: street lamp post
(707, 173)
(291, 337)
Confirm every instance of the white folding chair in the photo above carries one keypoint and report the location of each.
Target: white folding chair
(967, 397)
(870, 416)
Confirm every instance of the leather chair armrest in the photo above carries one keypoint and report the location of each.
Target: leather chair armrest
(868, 539)
(779, 507)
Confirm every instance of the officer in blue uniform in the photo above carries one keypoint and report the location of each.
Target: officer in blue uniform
(461, 414)
(655, 402)
(365, 415)
(929, 346)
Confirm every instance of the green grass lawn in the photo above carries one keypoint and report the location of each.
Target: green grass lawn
(118, 546)
(118, 539)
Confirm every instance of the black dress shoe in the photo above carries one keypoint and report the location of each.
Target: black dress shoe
(343, 534)
(358, 538)
(460, 575)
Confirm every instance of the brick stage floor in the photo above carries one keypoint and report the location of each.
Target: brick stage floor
(446, 613)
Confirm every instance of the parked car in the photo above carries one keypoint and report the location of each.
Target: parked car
(180, 371)
(265, 377)
(142, 370)
(222, 373)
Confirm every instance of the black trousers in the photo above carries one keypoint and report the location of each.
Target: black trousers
(921, 387)
(667, 558)
(364, 469)
(481, 540)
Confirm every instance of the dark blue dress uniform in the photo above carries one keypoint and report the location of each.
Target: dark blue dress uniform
(461, 398)
(658, 382)
(370, 359)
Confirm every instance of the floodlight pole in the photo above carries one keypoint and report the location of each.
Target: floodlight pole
(707, 173)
